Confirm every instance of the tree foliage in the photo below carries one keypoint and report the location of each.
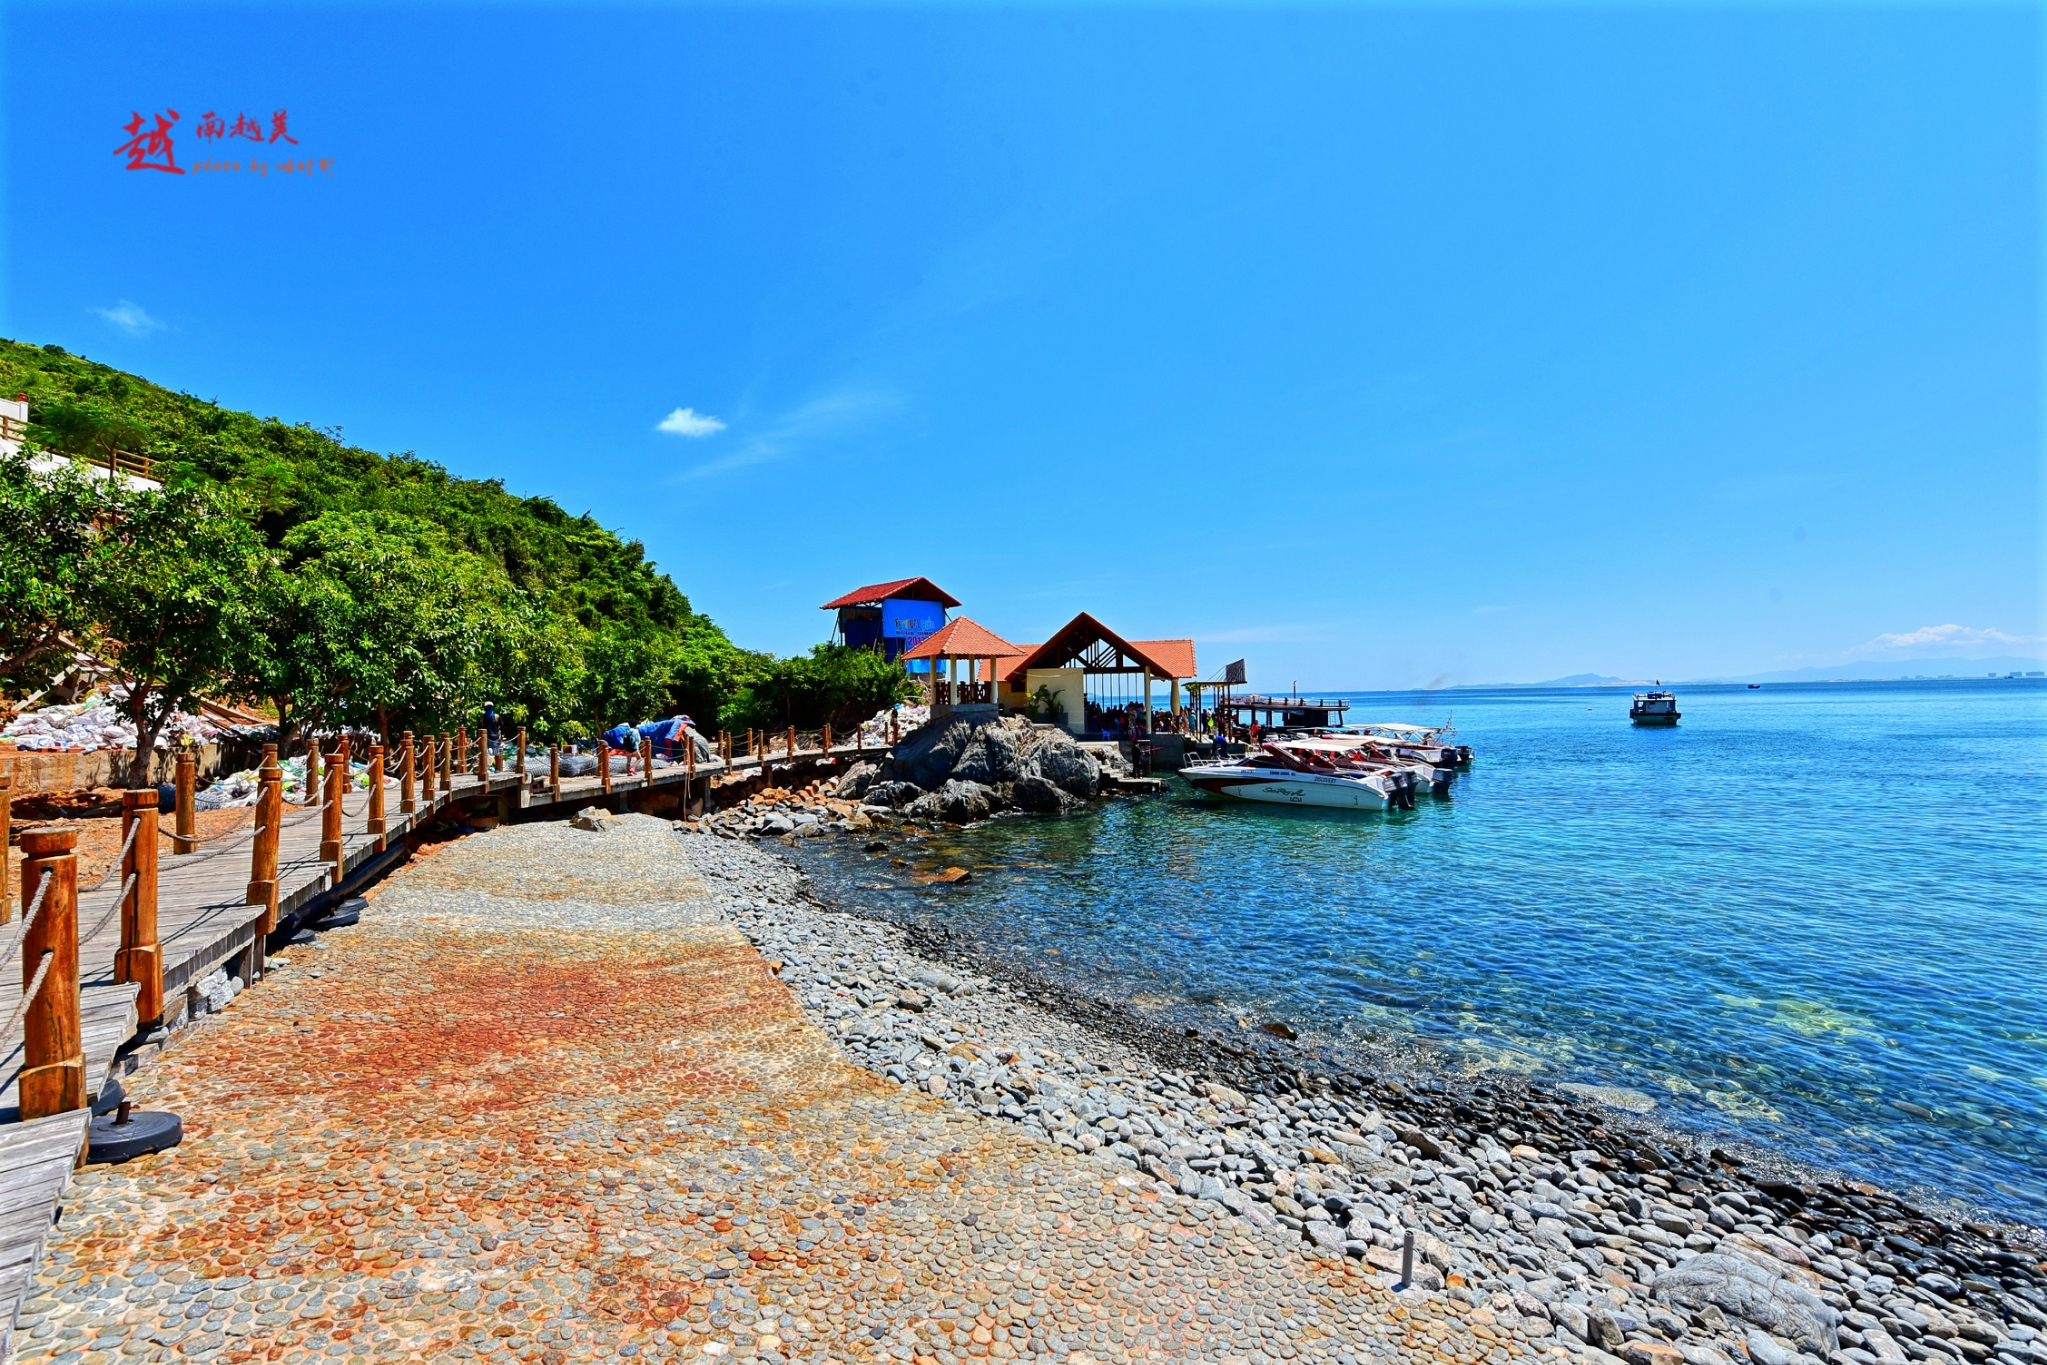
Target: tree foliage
(395, 594)
(842, 684)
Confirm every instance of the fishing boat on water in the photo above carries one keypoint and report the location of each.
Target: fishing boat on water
(1654, 708)
(1306, 772)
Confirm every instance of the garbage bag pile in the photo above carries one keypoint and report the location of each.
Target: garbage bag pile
(97, 723)
(874, 732)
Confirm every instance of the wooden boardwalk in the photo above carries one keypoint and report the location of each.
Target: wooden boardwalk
(204, 923)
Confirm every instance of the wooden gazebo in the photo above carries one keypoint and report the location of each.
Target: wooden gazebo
(1086, 647)
(963, 639)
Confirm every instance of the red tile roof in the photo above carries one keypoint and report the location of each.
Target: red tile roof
(919, 589)
(964, 639)
(1175, 656)
(1083, 630)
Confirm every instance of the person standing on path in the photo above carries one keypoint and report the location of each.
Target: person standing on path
(492, 734)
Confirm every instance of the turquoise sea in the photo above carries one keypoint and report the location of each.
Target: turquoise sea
(1812, 916)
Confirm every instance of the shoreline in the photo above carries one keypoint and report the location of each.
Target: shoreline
(1516, 1226)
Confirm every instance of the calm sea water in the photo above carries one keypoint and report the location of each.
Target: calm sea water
(1813, 916)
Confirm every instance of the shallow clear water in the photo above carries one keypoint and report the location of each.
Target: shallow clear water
(1813, 916)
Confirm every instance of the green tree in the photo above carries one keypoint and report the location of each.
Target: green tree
(842, 684)
(170, 579)
(46, 536)
(623, 679)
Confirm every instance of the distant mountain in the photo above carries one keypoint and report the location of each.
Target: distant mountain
(1579, 680)
(1875, 670)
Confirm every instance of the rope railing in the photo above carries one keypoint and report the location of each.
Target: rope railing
(28, 997)
(7, 954)
(112, 910)
(119, 858)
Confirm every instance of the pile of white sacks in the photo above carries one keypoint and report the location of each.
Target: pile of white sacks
(874, 731)
(96, 723)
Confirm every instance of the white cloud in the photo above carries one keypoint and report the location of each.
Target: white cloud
(690, 423)
(1947, 637)
(130, 318)
(822, 420)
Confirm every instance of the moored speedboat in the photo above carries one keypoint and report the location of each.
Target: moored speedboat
(1291, 775)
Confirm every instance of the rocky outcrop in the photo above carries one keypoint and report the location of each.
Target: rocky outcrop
(964, 768)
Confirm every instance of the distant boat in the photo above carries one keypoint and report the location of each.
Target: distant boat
(1755, 687)
(1654, 708)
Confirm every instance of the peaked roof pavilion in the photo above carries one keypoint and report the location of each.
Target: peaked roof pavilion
(874, 594)
(1086, 643)
(964, 638)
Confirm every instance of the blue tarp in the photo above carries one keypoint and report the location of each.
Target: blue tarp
(667, 736)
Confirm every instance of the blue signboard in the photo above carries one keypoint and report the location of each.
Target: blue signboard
(910, 620)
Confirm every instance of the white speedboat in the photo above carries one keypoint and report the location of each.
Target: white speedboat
(1418, 740)
(1291, 774)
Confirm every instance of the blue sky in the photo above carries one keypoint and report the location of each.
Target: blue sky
(1383, 346)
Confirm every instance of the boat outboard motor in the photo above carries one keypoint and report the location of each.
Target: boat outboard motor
(1403, 790)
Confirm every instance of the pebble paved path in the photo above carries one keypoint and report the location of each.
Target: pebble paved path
(545, 1104)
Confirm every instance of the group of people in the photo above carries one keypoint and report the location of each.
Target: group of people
(666, 737)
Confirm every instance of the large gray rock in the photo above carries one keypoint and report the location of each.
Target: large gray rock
(894, 795)
(1743, 1289)
(857, 779)
(1039, 794)
(929, 753)
(991, 755)
(960, 802)
(1056, 758)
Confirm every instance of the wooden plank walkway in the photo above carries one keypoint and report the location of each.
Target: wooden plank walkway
(203, 923)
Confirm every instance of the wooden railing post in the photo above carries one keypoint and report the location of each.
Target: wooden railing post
(138, 958)
(689, 767)
(604, 764)
(646, 763)
(482, 760)
(895, 726)
(751, 751)
(554, 772)
(263, 853)
(448, 763)
(408, 787)
(827, 741)
(522, 753)
(330, 820)
(375, 824)
(426, 772)
(6, 842)
(316, 787)
(187, 836)
(792, 744)
(52, 1079)
(461, 753)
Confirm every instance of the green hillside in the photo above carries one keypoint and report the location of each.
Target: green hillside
(586, 632)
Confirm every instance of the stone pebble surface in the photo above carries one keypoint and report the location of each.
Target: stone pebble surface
(1545, 1209)
(546, 1102)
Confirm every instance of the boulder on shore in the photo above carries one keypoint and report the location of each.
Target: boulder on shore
(997, 754)
(955, 801)
(1740, 1288)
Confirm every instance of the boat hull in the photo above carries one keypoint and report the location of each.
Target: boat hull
(1288, 790)
(1659, 718)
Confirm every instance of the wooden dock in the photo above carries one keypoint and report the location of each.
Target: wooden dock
(205, 923)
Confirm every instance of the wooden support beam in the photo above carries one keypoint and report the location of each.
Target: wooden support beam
(375, 824)
(186, 838)
(408, 788)
(140, 958)
(6, 845)
(263, 852)
(52, 1079)
(330, 819)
